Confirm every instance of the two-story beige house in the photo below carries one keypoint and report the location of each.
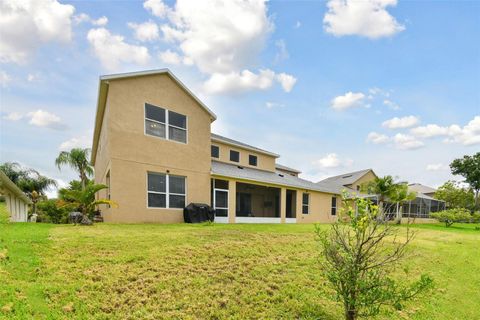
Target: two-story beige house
(154, 149)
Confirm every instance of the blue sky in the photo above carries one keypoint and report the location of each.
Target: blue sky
(332, 86)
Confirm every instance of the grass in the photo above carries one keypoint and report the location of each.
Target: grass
(184, 271)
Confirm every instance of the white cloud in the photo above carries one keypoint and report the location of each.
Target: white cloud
(83, 17)
(102, 21)
(156, 7)
(436, 167)
(13, 116)
(112, 50)
(223, 40)
(298, 24)
(377, 138)
(282, 53)
(392, 105)
(367, 18)
(406, 142)
(398, 123)
(76, 142)
(26, 25)
(147, 31)
(234, 82)
(41, 118)
(430, 130)
(286, 80)
(170, 57)
(271, 105)
(4, 79)
(332, 160)
(348, 100)
(466, 135)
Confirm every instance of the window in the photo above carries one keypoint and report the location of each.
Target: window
(305, 203)
(334, 206)
(252, 160)
(234, 156)
(215, 152)
(177, 127)
(158, 119)
(166, 191)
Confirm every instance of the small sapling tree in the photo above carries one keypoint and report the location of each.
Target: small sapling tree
(359, 255)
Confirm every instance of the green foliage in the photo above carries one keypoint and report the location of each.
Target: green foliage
(84, 199)
(451, 216)
(469, 168)
(28, 180)
(455, 196)
(359, 261)
(54, 211)
(78, 160)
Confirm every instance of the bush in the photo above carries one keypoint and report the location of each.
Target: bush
(52, 211)
(452, 215)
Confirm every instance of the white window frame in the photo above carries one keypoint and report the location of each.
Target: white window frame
(166, 124)
(167, 192)
(308, 203)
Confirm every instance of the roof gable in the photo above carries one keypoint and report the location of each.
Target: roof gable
(103, 93)
(346, 178)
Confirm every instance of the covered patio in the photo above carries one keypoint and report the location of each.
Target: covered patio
(243, 202)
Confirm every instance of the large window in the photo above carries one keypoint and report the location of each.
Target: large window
(305, 203)
(334, 206)
(165, 124)
(234, 156)
(215, 152)
(252, 160)
(166, 191)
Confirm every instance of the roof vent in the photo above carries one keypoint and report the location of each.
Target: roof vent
(239, 167)
(281, 175)
(344, 177)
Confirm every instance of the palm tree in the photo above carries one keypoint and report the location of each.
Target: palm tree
(30, 181)
(399, 195)
(383, 188)
(78, 160)
(84, 199)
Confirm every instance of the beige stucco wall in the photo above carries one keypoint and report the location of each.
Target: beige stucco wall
(320, 207)
(264, 162)
(369, 176)
(131, 153)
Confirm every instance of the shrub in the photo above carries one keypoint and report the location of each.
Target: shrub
(452, 215)
(52, 211)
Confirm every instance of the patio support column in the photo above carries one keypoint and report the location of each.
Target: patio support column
(283, 204)
(232, 200)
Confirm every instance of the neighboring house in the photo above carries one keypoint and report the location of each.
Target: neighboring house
(154, 149)
(17, 202)
(420, 207)
(351, 182)
(420, 188)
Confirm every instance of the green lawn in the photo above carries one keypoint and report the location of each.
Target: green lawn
(183, 271)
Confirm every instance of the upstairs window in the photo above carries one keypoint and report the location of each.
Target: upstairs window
(305, 203)
(334, 206)
(165, 124)
(177, 127)
(215, 152)
(234, 156)
(252, 160)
